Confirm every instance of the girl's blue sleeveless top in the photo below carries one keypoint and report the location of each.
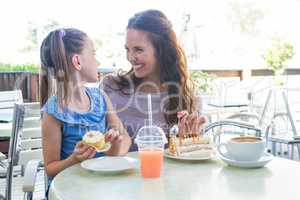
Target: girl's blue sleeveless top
(75, 125)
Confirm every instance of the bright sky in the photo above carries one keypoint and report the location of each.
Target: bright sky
(218, 41)
(94, 17)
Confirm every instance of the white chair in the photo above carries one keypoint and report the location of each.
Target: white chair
(230, 123)
(9, 98)
(257, 116)
(252, 122)
(25, 143)
(7, 102)
(285, 125)
(254, 117)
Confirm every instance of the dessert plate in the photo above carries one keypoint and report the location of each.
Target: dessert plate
(204, 157)
(110, 164)
(247, 164)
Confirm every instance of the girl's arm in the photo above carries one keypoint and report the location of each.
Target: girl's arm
(120, 142)
(51, 140)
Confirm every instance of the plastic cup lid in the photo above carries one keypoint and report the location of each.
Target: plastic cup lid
(151, 134)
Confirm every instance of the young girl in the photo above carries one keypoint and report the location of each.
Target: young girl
(69, 108)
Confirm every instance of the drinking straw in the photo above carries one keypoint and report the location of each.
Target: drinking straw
(149, 109)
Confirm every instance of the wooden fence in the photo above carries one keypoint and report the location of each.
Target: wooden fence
(26, 81)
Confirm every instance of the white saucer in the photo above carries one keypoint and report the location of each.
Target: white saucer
(167, 155)
(110, 164)
(247, 164)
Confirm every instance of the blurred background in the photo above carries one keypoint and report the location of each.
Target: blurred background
(237, 50)
(215, 34)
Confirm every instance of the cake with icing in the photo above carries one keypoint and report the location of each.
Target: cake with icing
(95, 139)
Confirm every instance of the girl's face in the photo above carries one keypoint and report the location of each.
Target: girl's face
(88, 62)
(141, 55)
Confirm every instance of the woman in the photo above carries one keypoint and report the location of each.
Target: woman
(158, 68)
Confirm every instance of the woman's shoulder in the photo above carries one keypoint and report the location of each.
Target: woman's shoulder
(112, 85)
(109, 83)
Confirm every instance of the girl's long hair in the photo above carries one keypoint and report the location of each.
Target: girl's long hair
(171, 61)
(56, 54)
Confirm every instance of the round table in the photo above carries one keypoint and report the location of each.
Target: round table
(180, 180)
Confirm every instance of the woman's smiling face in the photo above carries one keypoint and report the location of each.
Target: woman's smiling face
(141, 54)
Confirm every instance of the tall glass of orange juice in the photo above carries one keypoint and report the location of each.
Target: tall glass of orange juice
(151, 141)
(151, 162)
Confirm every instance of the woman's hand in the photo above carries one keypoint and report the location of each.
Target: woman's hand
(83, 151)
(190, 124)
(118, 135)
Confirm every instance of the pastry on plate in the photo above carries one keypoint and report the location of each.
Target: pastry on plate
(195, 146)
(184, 143)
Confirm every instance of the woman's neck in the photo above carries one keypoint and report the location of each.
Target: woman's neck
(151, 87)
(151, 84)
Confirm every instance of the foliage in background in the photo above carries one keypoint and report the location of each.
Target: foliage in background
(203, 81)
(36, 32)
(18, 68)
(276, 55)
(107, 55)
(245, 16)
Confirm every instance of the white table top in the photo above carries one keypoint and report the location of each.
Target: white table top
(212, 179)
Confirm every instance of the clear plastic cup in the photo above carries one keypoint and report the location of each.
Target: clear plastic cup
(150, 141)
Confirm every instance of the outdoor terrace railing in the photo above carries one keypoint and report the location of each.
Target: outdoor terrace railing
(28, 82)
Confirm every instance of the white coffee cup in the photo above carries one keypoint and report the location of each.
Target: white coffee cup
(244, 148)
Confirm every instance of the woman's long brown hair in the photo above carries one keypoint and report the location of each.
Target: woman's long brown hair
(56, 54)
(171, 61)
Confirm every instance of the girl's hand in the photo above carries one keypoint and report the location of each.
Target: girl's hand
(113, 136)
(83, 151)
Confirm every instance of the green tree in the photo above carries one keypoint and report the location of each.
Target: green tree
(35, 32)
(203, 81)
(278, 54)
(245, 16)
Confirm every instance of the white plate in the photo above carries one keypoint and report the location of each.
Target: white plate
(248, 164)
(167, 155)
(110, 164)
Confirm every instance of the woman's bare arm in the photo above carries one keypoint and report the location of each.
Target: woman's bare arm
(121, 144)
